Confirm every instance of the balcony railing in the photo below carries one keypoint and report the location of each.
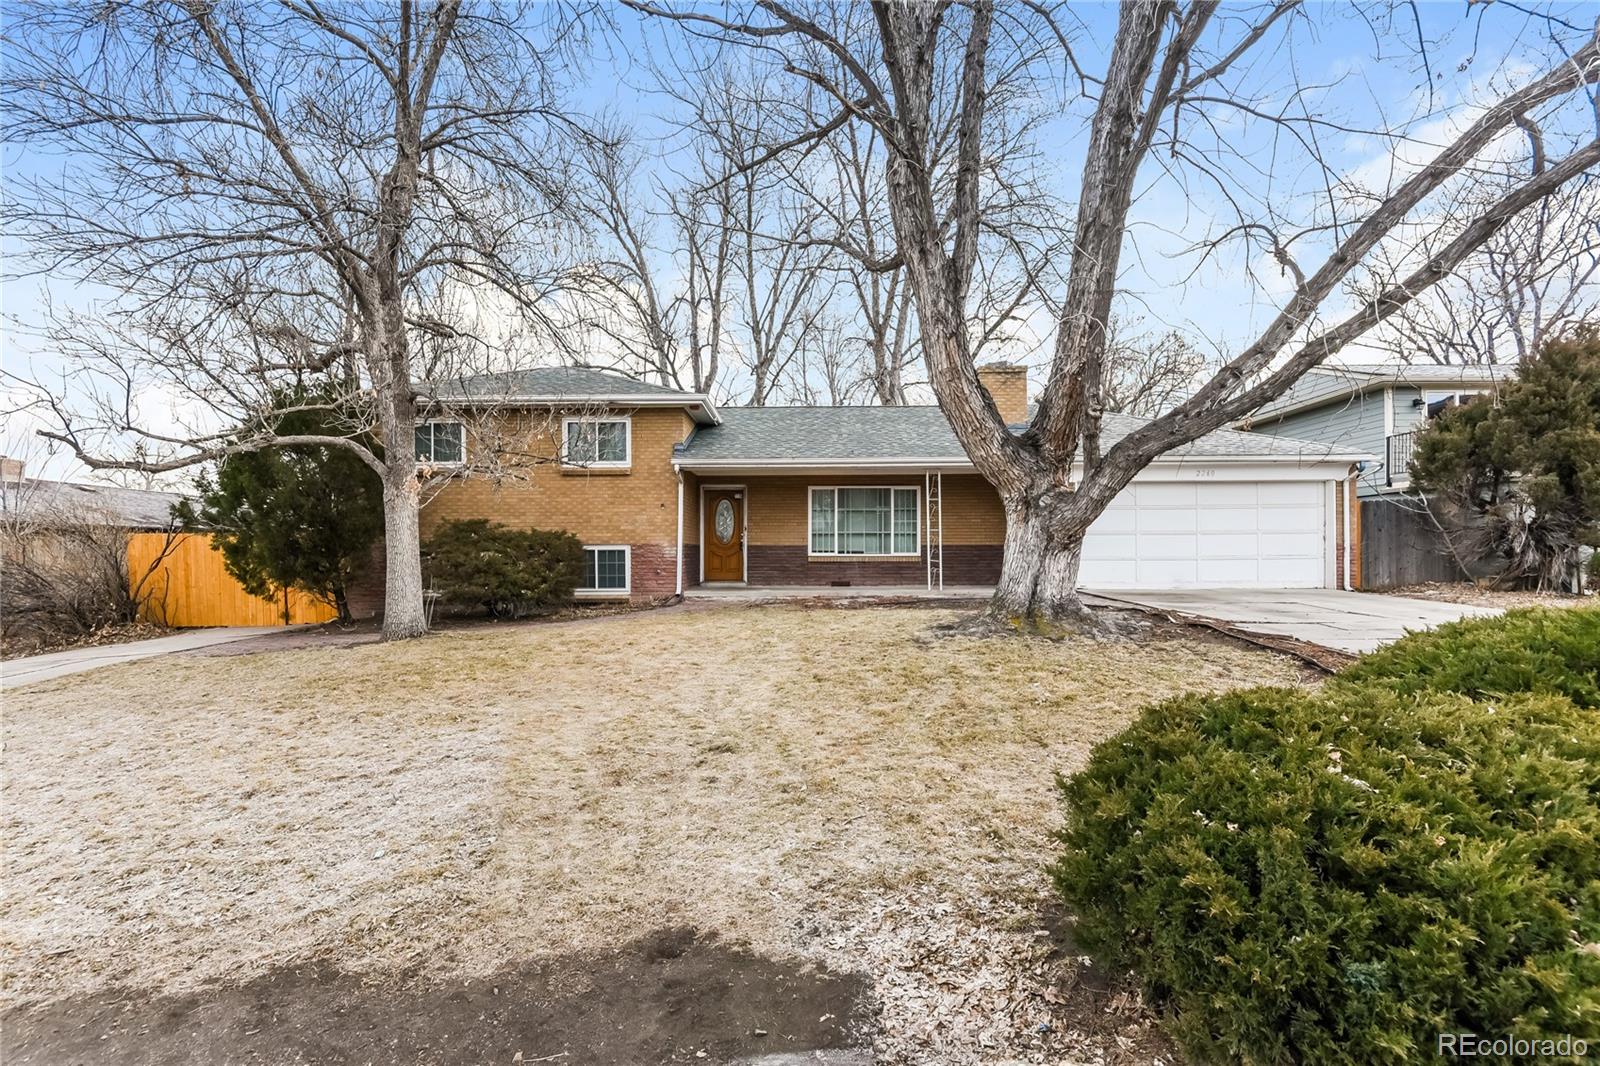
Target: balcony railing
(1397, 458)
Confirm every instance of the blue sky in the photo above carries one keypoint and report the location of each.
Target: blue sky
(1366, 69)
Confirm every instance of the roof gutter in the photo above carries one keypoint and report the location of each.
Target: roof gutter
(693, 401)
(682, 462)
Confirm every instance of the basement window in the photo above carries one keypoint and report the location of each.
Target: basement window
(859, 520)
(441, 443)
(605, 570)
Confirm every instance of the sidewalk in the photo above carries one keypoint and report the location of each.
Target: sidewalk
(26, 671)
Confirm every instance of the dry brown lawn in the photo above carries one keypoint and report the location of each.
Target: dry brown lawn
(826, 784)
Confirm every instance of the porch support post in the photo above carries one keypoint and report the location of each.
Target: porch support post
(927, 524)
(678, 554)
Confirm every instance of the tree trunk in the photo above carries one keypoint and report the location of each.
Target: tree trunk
(403, 614)
(1038, 588)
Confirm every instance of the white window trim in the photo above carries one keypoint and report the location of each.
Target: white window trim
(1431, 396)
(627, 572)
(624, 464)
(440, 463)
(836, 553)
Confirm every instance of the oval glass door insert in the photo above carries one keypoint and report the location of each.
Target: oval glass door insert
(724, 520)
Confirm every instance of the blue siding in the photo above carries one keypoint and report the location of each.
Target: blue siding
(1408, 414)
(1351, 423)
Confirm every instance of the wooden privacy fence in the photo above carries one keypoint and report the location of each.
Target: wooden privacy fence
(191, 587)
(1400, 546)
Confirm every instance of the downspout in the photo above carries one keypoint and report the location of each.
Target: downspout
(678, 584)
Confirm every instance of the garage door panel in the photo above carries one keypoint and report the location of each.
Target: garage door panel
(1264, 534)
(1161, 494)
(1291, 545)
(1116, 519)
(1168, 520)
(1229, 494)
(1115, 546)
(1230, 573)
(1290, 519)
(1292, 494)
(1167, 546)
(1226, 519)
(1109, 573)
(1168, 573)
(1228, 546)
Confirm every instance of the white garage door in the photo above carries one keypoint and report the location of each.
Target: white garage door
(1252, 534)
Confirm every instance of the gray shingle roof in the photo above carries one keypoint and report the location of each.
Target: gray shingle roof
(876, 434)
(67, 501)
(552, 382)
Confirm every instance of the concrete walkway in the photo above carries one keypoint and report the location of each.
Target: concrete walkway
(1354, 622)
(16, 672)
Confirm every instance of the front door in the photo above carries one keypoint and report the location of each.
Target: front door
(724, 535)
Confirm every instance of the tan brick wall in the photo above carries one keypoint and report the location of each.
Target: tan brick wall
(633, 506)
(779, 506)
(637, 506)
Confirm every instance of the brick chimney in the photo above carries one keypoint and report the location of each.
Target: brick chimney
(10, 469)
(1008, 384)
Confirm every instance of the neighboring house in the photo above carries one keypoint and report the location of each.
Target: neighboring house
(1380, 409)
(174, 578)
(1376, 409)
(668, 492)
(53, 503)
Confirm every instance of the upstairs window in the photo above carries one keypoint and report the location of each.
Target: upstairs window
(596, 441)
(441, 443)
(865, 521)
(1436, 403)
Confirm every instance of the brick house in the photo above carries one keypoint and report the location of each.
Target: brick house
(668, 492)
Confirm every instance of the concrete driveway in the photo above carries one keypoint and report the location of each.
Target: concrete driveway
(26, 671)
(1355, 622)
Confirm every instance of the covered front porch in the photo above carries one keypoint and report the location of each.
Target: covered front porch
(891, 532)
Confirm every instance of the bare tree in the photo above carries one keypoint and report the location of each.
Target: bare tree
(1022, 239)
(696, 274)
(1150, 372)
(68, 574)
(1174, 92)
(656, 312)
(352, 197)
(1535, 279)
(852, 195)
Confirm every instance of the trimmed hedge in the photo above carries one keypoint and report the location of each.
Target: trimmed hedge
(1338, 877)
(1554, 650)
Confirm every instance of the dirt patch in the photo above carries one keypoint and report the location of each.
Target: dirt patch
(670, 997)
(1477, 595)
